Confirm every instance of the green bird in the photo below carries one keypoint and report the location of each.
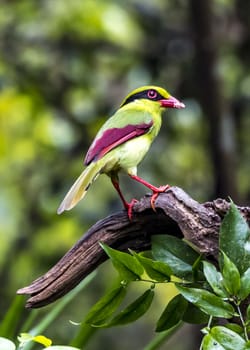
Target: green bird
(122, 142)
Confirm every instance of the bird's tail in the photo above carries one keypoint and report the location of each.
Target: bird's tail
(81, 186)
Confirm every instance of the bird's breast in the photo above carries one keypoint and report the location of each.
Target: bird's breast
(132, 152)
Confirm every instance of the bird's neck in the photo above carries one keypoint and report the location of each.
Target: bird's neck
(154, 111)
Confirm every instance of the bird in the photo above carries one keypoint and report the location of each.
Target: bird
(121, 144)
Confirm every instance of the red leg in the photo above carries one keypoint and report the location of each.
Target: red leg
(115, 183)
(155, 190)
(127, 206)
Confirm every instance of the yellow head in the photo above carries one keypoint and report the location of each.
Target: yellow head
(154, 94)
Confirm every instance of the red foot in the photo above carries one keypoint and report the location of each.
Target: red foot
(129, 207)
(155, 194)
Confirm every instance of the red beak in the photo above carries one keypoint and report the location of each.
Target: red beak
(171, 102)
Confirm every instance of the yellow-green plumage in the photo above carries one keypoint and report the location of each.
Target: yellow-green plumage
(81, 186)
(123, 141)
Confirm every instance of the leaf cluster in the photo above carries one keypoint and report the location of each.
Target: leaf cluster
(206, 293)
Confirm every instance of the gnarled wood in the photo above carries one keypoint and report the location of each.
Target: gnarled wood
(176, 214)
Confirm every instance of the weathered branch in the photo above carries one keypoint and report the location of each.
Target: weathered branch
(177, 214)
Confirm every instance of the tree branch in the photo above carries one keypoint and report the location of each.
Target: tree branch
(176, 214)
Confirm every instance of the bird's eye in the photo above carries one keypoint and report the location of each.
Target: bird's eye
(152, 94)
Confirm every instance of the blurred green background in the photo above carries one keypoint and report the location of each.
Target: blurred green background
(67, 65)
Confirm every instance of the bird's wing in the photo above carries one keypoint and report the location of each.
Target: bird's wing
(111, 137)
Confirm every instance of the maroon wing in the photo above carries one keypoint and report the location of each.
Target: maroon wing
(112, 138)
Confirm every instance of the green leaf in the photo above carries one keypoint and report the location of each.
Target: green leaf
(207, 302)
(156, 270)
(197, 272)
(194, 315)
(235, 327)
(179, 256)
(245, 285)
(133, 311)
(222, 338)
(6, 344)
(248, 313)
(82, 336)
(231, 276)
(209, 343)
(127, 265)
(10, 321)
(214, 279)
(172, 314)
(104, 308)
(234, 239)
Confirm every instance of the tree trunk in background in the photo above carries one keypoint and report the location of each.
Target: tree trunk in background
(242, 103)
(214, 106)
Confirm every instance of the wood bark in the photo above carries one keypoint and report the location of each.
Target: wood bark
(176, 214)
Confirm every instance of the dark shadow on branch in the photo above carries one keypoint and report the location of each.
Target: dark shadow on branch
(176, 214)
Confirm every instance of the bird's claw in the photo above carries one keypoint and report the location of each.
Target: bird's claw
(129, 207)
(155, 194)
(156, 191)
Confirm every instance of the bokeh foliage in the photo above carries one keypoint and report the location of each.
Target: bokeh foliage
(64, 67)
